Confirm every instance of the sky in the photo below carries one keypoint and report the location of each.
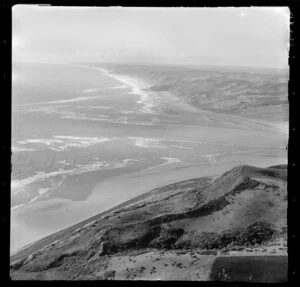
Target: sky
(250, 36)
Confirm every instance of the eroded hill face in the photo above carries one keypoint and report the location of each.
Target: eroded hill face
(243, 209)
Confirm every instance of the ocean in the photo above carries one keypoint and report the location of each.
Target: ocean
(85, 139)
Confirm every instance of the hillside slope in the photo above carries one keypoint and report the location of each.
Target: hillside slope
(242, 93)
(182, 226)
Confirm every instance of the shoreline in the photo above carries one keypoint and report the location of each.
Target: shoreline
(149, 99)
(136, 84)
(126, 187)
(174, 204)
(132, 184)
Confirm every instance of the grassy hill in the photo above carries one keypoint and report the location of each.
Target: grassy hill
(182, 227)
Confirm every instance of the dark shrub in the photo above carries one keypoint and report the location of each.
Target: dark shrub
(284, 229)
(257, 233)
(167, 238)
(109, 273)
(209, 252)
(254, 234)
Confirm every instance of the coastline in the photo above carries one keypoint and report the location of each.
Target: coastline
(137, 85)
(126, 187)
(133, 184)
(149, 99)
(175, 204)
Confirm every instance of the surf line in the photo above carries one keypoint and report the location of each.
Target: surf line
(137, 88)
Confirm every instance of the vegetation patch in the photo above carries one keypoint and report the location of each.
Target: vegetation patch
(48, 261)
(175, 238)
(167, 238)
(256, 233)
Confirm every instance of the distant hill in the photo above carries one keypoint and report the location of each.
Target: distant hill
(248, 93)
(173, 232)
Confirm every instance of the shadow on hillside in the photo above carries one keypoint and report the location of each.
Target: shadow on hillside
(250, 269)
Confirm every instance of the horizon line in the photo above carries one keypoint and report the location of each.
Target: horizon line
(157, 64)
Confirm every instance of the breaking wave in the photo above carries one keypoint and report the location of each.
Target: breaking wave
(147, 142)
(62, 143)
(17, 185)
